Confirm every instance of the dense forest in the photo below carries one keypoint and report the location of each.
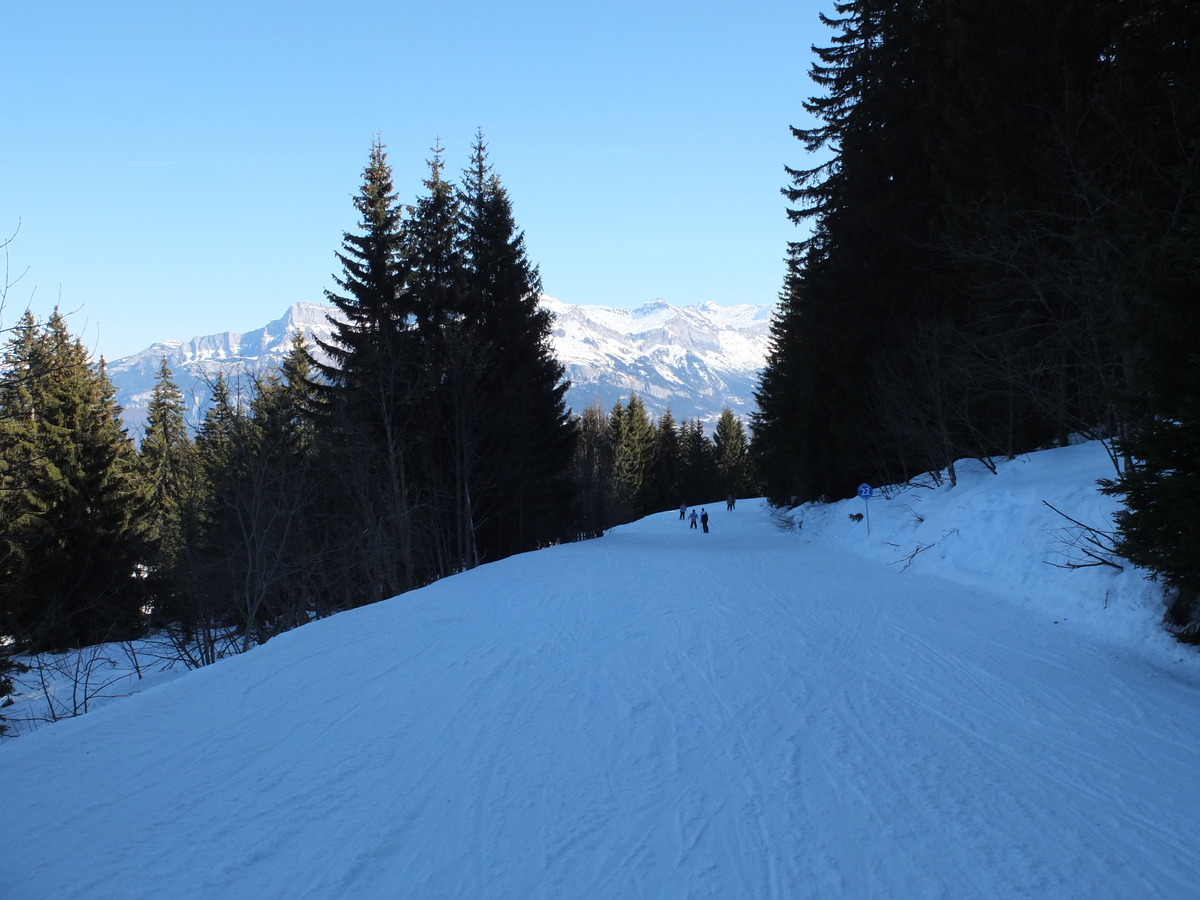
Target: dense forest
(1003, 254)
(428, 436)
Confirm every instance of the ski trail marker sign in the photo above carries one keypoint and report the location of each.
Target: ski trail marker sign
(867, 492)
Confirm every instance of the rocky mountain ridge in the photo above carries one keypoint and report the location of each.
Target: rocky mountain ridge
(694, 359)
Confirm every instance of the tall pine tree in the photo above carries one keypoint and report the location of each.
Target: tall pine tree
(168, 466)
(370, 393)
(524, 429)
(668, 463)
(72, 509)
(450, 348)
(1151, 97)
(634, 458)
(732, 454)
(912, 317)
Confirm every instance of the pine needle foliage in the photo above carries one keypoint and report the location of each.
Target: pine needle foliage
(71, 506)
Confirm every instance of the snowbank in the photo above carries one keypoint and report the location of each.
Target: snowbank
(999, 532)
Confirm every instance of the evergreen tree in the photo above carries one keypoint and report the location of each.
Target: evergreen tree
(195, 594)
(445, 406)
(72, 511)
(1151, 96)
(732, 454)
(270, 505)
(513, 424)
(788, 456)
(370, 391)
(668, 464)
(1159, 527)
(699, 481)
(634, 457)
(168, 466)
(8, 668)
(259, 550)
(218, 432)
(432, 251)
(450, 346)
(592, 473)
(906, 335)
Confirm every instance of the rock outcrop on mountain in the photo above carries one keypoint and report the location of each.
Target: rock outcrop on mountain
(196, 363)
(694, 359)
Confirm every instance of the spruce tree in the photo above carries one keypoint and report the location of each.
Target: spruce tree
(668, 465)
(432, 251)
(451, 349)
(699, 478)
(1151, 91)
(522, 438)
(732, 454)
(788, 455)
(195, 604)
(1159, 528)
(592, 473)
(215, 440)
(634, 458)
(864, 270)
(71, 520)
(370, 392)
(8, 668)
(913, 327)
(271, 505)
(168, 466)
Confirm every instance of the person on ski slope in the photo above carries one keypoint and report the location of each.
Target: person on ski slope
(730, 503)
(682, 511)
(693, 518)
(704, 519)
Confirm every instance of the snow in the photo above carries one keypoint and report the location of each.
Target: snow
(732, 338)
(61, 685)
(694, 358)
(996, 530)
(663, 713)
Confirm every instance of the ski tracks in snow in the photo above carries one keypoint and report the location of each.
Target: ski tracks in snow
(657, 713)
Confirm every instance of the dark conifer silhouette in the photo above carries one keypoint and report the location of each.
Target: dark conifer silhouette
(516, 424)
(371, 389)
(71, 509)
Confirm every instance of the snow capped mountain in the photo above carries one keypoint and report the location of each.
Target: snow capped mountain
(196, 363)
(694, 359)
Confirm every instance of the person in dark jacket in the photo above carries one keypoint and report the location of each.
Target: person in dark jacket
(704, 519)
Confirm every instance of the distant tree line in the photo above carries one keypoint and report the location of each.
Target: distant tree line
(428, 436)
(626, 465)
(1005, 252)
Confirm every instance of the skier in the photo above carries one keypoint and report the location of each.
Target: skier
(730, 503)
(704, 519)
(693, 520)
(682, 511)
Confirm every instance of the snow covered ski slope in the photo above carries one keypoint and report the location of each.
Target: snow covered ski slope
(657, 713)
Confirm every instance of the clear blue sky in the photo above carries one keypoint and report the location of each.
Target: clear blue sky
(182, 169)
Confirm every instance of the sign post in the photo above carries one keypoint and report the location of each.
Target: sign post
(866, 492)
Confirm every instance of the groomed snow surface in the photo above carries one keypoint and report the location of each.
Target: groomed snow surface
(664, 713)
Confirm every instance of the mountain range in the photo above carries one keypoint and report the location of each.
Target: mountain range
(694, 359)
